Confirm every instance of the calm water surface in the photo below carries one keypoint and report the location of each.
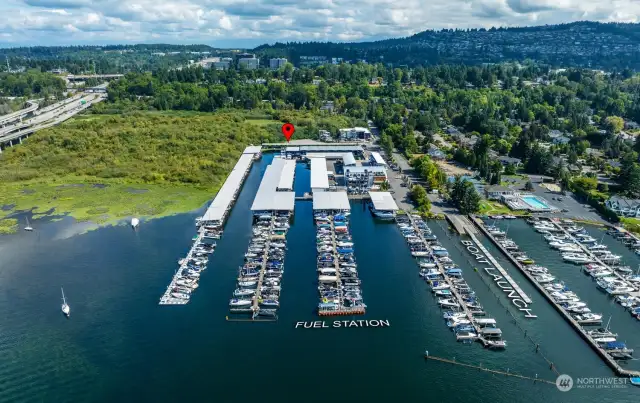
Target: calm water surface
(119, 345)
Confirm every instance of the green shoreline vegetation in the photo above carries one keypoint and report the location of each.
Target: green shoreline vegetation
(104, 168)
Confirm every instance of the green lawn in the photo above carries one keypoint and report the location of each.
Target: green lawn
(631, 224)
(494, 208)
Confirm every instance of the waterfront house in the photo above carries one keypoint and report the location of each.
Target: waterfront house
(509, 160)
(623, 206)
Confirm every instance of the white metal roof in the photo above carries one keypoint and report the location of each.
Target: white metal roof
(252, 150)
(330, 200)
(218, 208)
(286, 175)
(383, 201)
(267, 197)
(378, 158)
(330, 147)
(319, 175)
(368, 168)
(348, 159)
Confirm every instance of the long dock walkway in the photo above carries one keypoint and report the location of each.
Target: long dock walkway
(166, 298)
(255, 307)
(460, 223)
(502, 271)
(605, 357)
(452, 288)
(635, 293)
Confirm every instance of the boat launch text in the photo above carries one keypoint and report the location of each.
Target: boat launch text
(343, 323)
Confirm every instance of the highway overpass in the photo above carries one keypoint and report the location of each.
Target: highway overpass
(17, 115)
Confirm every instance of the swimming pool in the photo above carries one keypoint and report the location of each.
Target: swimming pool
(535, 203)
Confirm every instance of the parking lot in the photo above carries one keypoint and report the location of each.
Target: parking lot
(574, 209)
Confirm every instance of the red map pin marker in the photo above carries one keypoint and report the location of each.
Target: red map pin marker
(288, 129)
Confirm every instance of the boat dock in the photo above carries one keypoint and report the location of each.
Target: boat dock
(586, 250)
(460, 223)
(502, 271)
(221, 205)
(167, 298)
(613, 364)
(478, 329)
(214, 218)
(255, 306)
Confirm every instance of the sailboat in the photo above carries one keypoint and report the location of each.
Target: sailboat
(28, 227)
(65, 307)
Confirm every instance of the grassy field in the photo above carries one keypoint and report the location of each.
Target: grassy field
(494, 208)
(631, 224)
(103, 168)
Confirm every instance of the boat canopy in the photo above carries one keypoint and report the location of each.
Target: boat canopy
(615, 345)
(491, 332)
(485, 321)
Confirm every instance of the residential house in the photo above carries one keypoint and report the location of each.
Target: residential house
(327, 106)
(436, 153)
(324, 135)
(631, 125)
(623, 206)
(467, 141)
(505, 160)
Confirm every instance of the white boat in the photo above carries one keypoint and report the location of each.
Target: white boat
(544, 278)
(604, 339)
(447, 302)
(510, 217)
(243, 293)
(466, 336)
(327, 279)
(577, 258)
(240, 302)
(562, 244)
(28, 227)
(619, 290)
(425, 265)
(419, 253)
(247, 283)
(570, 248)
(180, 295)
(135, 222)
(66, 310)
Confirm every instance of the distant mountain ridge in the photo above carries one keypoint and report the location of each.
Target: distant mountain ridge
(585, 44)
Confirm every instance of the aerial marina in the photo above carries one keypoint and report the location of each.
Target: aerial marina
(210, 226)
(463, 313)
(338, 282)
(588, 324)
(578, 247)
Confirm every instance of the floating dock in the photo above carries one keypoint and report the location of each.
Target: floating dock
(613, 364)
(502, 271)
(479, 330)
(216, 214)
(460, 223)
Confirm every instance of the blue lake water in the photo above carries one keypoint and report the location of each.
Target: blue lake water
(119, 345)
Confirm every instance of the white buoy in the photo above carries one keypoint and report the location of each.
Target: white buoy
(134, 222)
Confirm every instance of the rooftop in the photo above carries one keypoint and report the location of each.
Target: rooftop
(383, 201)
(267, 197)
(252, 150)
(319, 175)
(377, 158)
(330, 200)
(218, 208)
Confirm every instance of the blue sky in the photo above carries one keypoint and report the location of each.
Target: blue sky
(242, 23)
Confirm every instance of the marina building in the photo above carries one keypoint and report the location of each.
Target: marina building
(365, 177)
(383, 205)
(347, 158)
(376, 159)
(268, 198)
(330, 201)
(355, 133)
(301, 151)
(319, 175)
(221, 205)
(497, 192)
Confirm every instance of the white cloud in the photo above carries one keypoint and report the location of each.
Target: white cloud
(256, 21)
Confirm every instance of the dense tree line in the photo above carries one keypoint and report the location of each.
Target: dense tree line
(31, 83)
